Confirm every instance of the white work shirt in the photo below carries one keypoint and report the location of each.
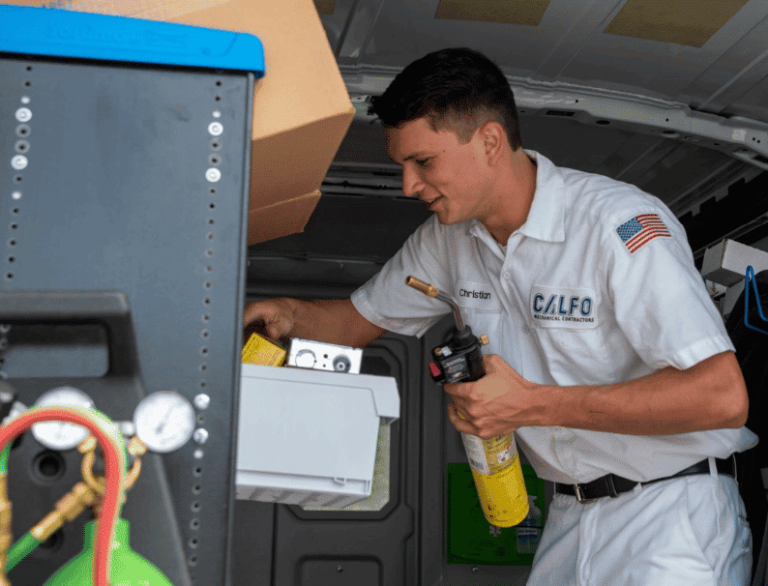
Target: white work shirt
(573, 299)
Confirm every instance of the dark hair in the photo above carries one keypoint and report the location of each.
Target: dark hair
(456, 89)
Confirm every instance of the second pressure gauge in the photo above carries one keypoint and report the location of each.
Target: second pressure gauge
(59, 435)
(164, 421)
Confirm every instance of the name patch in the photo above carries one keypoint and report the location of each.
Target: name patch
(559, 307)
(474, 295)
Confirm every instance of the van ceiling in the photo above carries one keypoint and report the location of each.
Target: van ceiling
(710, 55)
(670, 96)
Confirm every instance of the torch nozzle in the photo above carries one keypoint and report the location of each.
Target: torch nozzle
(419, 285)
(432, 291)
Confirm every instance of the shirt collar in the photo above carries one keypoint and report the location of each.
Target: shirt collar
(546, 218)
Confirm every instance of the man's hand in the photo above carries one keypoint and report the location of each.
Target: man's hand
(335, 321)
(496, 404)
(274, 317)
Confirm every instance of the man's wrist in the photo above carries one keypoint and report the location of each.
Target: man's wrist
(551, 406)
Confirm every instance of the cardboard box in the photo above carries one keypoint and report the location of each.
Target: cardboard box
(301, 107)
(281, 218)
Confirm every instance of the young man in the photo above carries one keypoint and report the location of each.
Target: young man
(606, 354)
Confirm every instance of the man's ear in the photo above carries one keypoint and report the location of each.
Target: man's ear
(493, 139)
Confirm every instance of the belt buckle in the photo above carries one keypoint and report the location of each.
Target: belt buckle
(580, 495)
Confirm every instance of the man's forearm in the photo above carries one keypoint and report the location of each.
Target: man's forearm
(709, 395)
(335, 321)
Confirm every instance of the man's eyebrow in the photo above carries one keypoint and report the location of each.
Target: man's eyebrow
(414, 156)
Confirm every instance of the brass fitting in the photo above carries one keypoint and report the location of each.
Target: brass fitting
(419, 285)
(136, 447)
(68, 508)
(6, 529)
(87, 445)
(88, 449)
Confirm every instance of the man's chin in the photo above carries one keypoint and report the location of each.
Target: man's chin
(446, 219)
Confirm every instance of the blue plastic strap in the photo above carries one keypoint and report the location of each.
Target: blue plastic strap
(750, 280)
(62, 33)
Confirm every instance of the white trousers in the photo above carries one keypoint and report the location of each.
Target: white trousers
(689, 531)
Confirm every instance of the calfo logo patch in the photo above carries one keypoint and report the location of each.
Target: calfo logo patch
(558, 307)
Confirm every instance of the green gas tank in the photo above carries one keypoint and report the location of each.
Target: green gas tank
(128, 567)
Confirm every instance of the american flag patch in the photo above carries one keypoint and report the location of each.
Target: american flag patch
(640, 230)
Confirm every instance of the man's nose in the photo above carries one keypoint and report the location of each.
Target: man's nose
(412, 183)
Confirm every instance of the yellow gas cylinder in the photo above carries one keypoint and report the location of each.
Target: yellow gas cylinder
(498, 476)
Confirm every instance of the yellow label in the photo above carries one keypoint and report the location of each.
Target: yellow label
(490, 456)
(259, 350)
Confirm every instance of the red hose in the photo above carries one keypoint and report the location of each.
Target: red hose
(114, 475)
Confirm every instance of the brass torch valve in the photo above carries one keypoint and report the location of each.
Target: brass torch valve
(86, 493)
(68, 508)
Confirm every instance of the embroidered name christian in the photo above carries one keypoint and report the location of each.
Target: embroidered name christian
(477, 296)
(640, 230)
(474, 294)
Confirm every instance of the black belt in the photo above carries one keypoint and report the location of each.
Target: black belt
(612, 485)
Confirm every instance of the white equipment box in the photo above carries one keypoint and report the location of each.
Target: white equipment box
(726, 263)
(308, 437)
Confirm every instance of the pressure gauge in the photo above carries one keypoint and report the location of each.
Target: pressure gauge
(60, 435)
(164, 421)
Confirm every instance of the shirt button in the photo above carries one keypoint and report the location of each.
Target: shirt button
(506, 275)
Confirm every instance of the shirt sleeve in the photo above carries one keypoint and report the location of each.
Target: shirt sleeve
(386, 301)
(660, 300)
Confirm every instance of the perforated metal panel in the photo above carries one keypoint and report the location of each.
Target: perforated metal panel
(127, 184)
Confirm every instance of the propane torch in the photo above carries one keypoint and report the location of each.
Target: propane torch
(495, 462)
